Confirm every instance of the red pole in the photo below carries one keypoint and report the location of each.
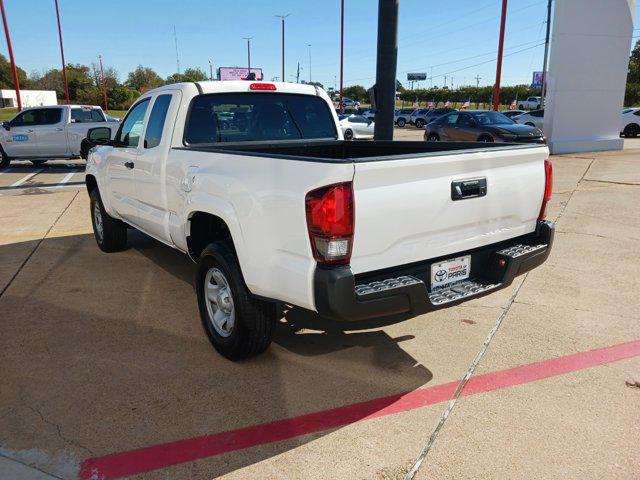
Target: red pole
(14, 70)
(104, 90)
(341, 52)
(496, 92)
(283, 79)
(64, 65)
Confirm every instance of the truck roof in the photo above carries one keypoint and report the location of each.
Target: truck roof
(232, 86)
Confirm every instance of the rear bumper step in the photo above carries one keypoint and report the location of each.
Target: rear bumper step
(343, 296)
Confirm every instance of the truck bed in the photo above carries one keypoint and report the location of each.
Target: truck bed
(340, 151)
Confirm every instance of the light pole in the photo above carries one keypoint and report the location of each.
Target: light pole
(104, 90)
(14, 71)
(546, 53)
(282, 17)
(210, 70)
(341, 51)
(248, 39)
(64, 66)
(496, 92)
(309, 45)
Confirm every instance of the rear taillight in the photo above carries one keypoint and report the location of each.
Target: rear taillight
(548, 187)
(330, 222)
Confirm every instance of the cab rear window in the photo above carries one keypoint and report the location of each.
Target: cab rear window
(249, 117)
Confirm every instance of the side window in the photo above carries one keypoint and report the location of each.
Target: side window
(465, 120)
(49, 116)
(637, 113)
(451, 119)
(25, 118)
(97, 115)
(131, 129)
(155, 125)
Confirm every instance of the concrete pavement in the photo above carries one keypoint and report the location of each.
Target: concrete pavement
(104, 354)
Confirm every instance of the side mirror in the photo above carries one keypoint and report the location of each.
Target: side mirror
(6, 125)
(99, 136)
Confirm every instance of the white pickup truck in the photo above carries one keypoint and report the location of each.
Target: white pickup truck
(43, 133)
(254, 181)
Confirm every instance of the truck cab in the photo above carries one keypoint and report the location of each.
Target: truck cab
(42, 133)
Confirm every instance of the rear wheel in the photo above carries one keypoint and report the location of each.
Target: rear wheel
(419, 123)
(84, 149)
(348, 134)
(631, 130)
(486, 139)
(521, 107)
(433, 137)
(237, 324)
(110, 234)
(401, 122)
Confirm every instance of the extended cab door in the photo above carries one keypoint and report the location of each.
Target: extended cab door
(20, 140)
(151, 199)
(121, 161)
(52, 135)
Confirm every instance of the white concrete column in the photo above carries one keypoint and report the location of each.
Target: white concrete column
(587, 75)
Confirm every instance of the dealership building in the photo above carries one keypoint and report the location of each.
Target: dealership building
(30, 98)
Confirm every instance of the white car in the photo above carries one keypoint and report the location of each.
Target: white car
(347, 102)
(630, 122)
(280, 211)
(42, 133)
(534, 118)
(356, 127)
(531, 103)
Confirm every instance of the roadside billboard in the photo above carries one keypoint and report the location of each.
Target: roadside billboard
(236, 73)
(537, 79)
(416, 77)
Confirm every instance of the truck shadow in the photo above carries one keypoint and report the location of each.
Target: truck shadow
(117, 360)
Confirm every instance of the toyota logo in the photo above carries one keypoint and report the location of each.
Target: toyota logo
(440, 275)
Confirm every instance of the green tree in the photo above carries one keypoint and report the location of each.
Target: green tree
(315, 84)
(143, 78)
(356, 92)
(6, 76)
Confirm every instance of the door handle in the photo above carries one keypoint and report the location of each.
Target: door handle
(59, 129)
(129, 165)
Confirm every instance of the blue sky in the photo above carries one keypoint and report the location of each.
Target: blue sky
(455, 37)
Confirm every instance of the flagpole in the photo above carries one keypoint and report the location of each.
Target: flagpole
(64, 65)
(14, 70)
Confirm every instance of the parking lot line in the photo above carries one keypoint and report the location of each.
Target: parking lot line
(146, 459)
(64, 180)
(24, 179)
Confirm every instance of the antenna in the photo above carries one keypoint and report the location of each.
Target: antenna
(175, 39)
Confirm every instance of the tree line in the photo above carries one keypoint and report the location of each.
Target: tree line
(85, 82)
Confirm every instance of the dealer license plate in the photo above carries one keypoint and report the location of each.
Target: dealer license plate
(450, 271)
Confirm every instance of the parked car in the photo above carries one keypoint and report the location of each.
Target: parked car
(418, 117)
(356, 127)
(369, 114)
(268, 211)
(42, 133)
(534, 118)
(403, 116)
(512, 113)
(630, 122)
(436, 113)
(481, 126)
(531, 103)
(347, 102)
(111, 118)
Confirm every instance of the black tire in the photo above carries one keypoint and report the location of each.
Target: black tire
(114, 233)
(348, 134)
(254, 320)
(4, 160)
(37, 163)
(419, 123)
(84, 149)
(401, 122)
(433, 137)
(521, 107)
(486, 139)
(631, 130)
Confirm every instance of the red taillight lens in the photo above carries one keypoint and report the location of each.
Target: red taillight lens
(548, 187)
(330, 222)
(262, 86)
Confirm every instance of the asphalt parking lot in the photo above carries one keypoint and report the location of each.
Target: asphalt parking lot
(106, 372)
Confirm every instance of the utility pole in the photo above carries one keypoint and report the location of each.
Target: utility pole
(298, 74)
(496, 92)
(452, 83)
(248, 39)
(64, 65)
(104, 90)
(210, 70)
(14, 70)
(478, 78)
(445, 80)
(546, 53)
(282, 17)
(386, 66)
(175, 40)
(309, 45)
(342, 51)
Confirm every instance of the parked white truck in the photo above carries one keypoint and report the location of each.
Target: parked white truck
(254, 181)
(44, 133)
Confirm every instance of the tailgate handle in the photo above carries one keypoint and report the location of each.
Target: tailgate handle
(469, 189)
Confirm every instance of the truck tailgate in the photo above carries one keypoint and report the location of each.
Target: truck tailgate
(405, 212)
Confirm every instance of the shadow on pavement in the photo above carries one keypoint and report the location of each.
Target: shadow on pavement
(102, 353)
